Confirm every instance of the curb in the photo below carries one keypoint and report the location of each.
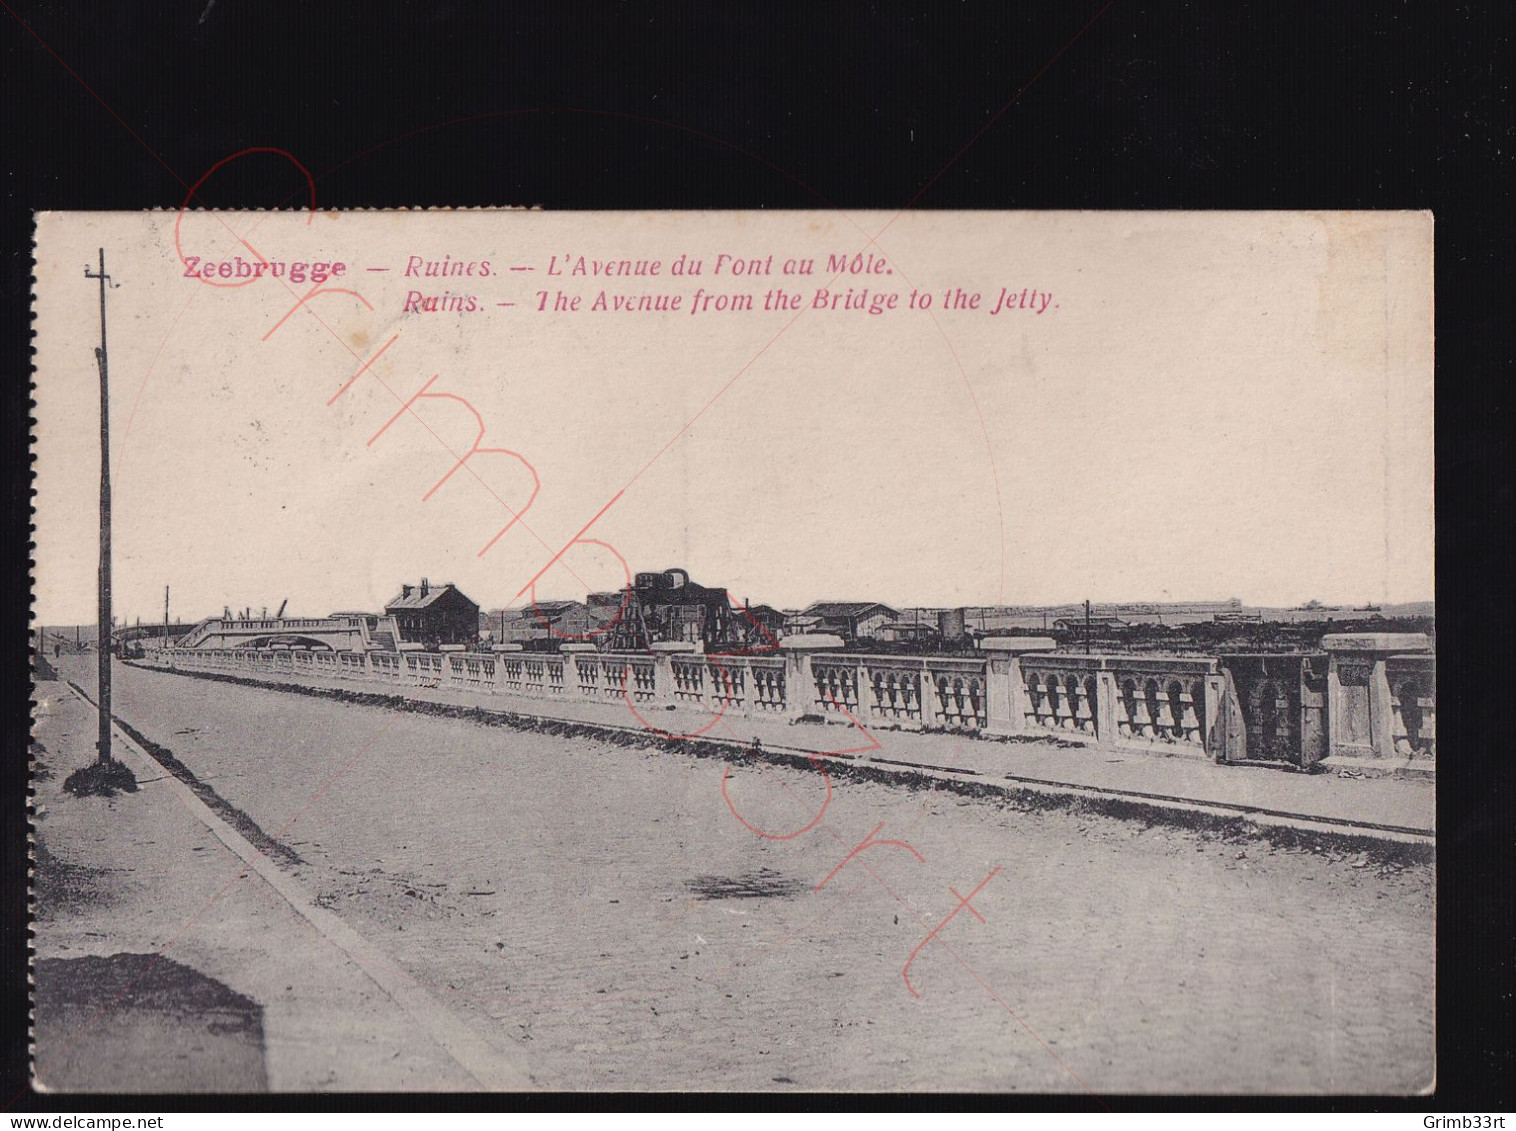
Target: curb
(493, 1069)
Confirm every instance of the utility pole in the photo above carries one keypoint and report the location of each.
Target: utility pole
(1086, 626)
(103, 746)
(164, 643)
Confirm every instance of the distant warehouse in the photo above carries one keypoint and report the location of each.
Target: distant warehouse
(1100, 626)
(851, 620)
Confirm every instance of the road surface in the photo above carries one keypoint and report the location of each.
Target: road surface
(610, 915)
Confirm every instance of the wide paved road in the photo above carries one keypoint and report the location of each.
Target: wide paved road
(581, 901)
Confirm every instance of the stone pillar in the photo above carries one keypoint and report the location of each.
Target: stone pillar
(571, 653)
(799, 685)
(1215, 691)
(1360, 716)
(1107, 692)
(663, 669)
(931, 714)
(502, 653)
(1005, 687)
(865, 708)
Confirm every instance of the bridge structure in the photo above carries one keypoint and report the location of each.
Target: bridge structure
(158, 631)
(341, 632)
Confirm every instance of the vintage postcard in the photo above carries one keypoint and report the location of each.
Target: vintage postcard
(763, 651)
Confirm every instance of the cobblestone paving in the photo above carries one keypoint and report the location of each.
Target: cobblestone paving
(559, 893)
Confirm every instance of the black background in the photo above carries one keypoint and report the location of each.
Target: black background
(1017, 106)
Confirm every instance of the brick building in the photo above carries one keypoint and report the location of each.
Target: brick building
(433, 615)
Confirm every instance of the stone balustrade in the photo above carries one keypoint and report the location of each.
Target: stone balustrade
(1381, 703)
(1382, 697)
(949, 693)
(1413, 705)
(1165, 703)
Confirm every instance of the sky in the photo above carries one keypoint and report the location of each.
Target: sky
(1208, 405)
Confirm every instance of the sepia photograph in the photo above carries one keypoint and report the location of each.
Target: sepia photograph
(517, 650)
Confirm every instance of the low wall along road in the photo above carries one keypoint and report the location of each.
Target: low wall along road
(1059, 712)
(1367, 698)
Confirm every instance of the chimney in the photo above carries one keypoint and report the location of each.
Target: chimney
(405, 590)
(426, 587)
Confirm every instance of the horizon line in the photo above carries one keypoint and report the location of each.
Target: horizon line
(1032, 607)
